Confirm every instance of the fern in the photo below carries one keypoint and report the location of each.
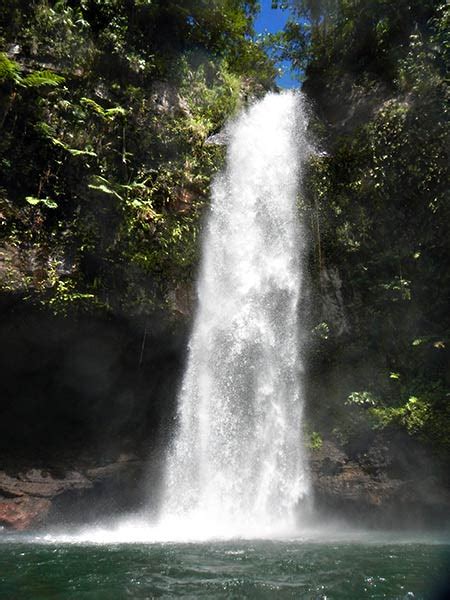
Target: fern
(43, 78)
(108, 114)
(9, 69)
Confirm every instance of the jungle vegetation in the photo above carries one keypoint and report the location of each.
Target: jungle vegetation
(378, 203)
(105, 108)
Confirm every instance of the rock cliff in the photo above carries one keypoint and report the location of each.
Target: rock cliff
(364, 491)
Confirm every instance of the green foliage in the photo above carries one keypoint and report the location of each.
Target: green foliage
(104, 112)
(9, 69)
(66, 299)
(43, 201)
(361, 399)
(322, 330)
(378, 209)
(42, 78)
(315, 441)
(60, 32)
(423, 414)
(209, 106)
(108, 114)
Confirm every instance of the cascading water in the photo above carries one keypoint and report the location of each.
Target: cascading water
(235, 468)
(236, 465)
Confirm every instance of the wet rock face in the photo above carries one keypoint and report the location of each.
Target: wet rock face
(218, 139)
(333, 308)
(22, 513)
(39, 497)
(367, 491)
(182, 299)
(26, 498)
(165, 99)
(40, 483)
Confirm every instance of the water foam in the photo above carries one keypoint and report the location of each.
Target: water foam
(236, 465)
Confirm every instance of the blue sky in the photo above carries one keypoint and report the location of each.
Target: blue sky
(272, 20)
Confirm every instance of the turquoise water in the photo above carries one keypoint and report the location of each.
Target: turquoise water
(36, 570)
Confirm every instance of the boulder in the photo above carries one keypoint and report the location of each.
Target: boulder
(364, 490)
(36, 497)
(22, 513)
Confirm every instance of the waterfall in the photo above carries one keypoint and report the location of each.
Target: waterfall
(236, 466)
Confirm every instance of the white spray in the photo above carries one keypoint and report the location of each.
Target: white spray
(236, 465)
